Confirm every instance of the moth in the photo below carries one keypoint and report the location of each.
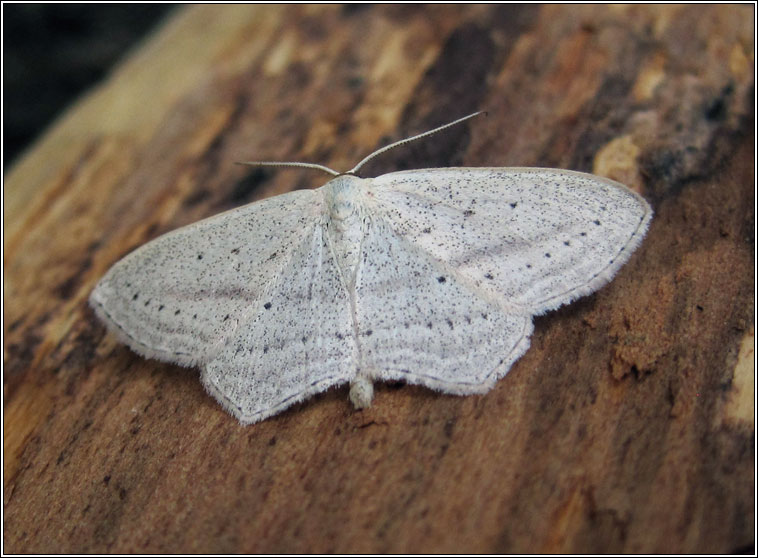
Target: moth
(428, 276)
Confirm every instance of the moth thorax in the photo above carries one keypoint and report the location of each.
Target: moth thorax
(342, 199)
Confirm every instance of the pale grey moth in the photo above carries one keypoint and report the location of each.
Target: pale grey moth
(428, 276)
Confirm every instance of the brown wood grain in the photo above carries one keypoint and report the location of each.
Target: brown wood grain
(628, 425)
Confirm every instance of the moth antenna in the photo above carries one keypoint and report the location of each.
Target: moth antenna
(408, 140)
(314, 166)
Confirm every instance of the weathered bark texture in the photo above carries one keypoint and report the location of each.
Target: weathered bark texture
(627, 427)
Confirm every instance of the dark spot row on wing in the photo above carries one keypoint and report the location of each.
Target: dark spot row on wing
(134, 340)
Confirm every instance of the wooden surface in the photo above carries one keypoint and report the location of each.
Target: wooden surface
(627, 427)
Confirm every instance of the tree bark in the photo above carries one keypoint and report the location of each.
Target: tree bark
(627, 426)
